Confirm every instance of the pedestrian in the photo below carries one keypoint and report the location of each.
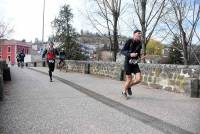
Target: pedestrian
(132, 53)
(61, 62)
(17, 57)
(21, 57)
(51, 55)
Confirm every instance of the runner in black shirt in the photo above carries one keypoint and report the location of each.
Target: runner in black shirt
(132, 53)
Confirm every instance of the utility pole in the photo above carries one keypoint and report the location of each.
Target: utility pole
(43, 47)
(43, 23)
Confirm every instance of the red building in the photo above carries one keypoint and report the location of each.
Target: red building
(10, 48)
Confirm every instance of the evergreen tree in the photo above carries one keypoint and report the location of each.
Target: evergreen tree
(175, 55)
(66, 35)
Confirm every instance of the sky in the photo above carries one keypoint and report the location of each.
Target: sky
(25, 16)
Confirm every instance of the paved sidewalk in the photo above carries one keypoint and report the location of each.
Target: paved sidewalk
(147, 111)
(173, 108)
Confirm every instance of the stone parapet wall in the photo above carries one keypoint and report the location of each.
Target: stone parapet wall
(107, 69)
(175, 78)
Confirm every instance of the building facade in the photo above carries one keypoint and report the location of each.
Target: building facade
(10, 48)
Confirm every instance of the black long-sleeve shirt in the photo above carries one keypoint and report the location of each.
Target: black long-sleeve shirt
(131, 46)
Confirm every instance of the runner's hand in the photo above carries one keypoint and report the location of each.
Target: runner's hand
(134, 54)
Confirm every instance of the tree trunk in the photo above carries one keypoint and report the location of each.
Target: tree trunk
(115, 38)
(143, 20)
(185, 49)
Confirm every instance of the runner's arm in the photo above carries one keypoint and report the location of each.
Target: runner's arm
(44, 53)
(125, 49)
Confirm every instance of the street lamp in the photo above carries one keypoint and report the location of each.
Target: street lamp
(43, 63)
(43, 22)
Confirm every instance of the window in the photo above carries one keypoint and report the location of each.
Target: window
(8, 58)
(9, 49)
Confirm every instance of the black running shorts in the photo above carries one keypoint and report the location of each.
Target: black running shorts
(51, 64)
(129, 69)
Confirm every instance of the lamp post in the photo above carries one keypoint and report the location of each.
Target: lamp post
(43, 22)
(43, 63)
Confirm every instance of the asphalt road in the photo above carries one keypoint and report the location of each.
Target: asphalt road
(80, 104)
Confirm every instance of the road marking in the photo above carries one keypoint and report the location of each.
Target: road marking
(143, 117)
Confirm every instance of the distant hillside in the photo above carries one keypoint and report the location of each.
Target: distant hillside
(96, 39)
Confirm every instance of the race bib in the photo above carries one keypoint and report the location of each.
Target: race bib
(51, 61)
(133, 61)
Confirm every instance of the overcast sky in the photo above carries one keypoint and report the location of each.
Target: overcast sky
(26, 16)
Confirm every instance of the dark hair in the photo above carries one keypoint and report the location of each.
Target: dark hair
(51, 43)
(136, 31)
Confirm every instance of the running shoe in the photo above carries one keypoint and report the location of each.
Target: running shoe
(129, 91)
(124, 94)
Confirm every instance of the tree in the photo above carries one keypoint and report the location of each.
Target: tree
(175, 55)
(154, 47)
(183, 21)
(148, 13)
(195, 58)
(66, 35)
(106, 17)
(5, 29)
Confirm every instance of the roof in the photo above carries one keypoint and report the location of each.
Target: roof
(14, 42)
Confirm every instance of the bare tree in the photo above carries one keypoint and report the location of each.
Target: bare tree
(106, 17)
(5, 29)
(149, 13)
(186, 15)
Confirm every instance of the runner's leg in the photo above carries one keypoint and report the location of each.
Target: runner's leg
(137, 79)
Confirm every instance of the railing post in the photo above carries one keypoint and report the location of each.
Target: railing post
(43, 64)
(35, 64)
(6, 74)
(121, 75)
(87, 68)
(1, 88)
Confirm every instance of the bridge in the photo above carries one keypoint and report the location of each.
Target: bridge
(83, 103)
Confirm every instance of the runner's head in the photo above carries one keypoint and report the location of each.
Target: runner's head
(22, 50)
(51, 44)
(137, 35)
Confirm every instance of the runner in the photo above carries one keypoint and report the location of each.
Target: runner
(21, 57)
(51, 55)
(131, 50)
(62, 59)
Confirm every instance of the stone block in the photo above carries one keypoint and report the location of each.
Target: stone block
(145, 79)
(156, 86)
(149, 79)
(171, 82)
(191, 87)
(168, 88)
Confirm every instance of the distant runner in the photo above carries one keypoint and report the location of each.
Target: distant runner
(51, 55)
